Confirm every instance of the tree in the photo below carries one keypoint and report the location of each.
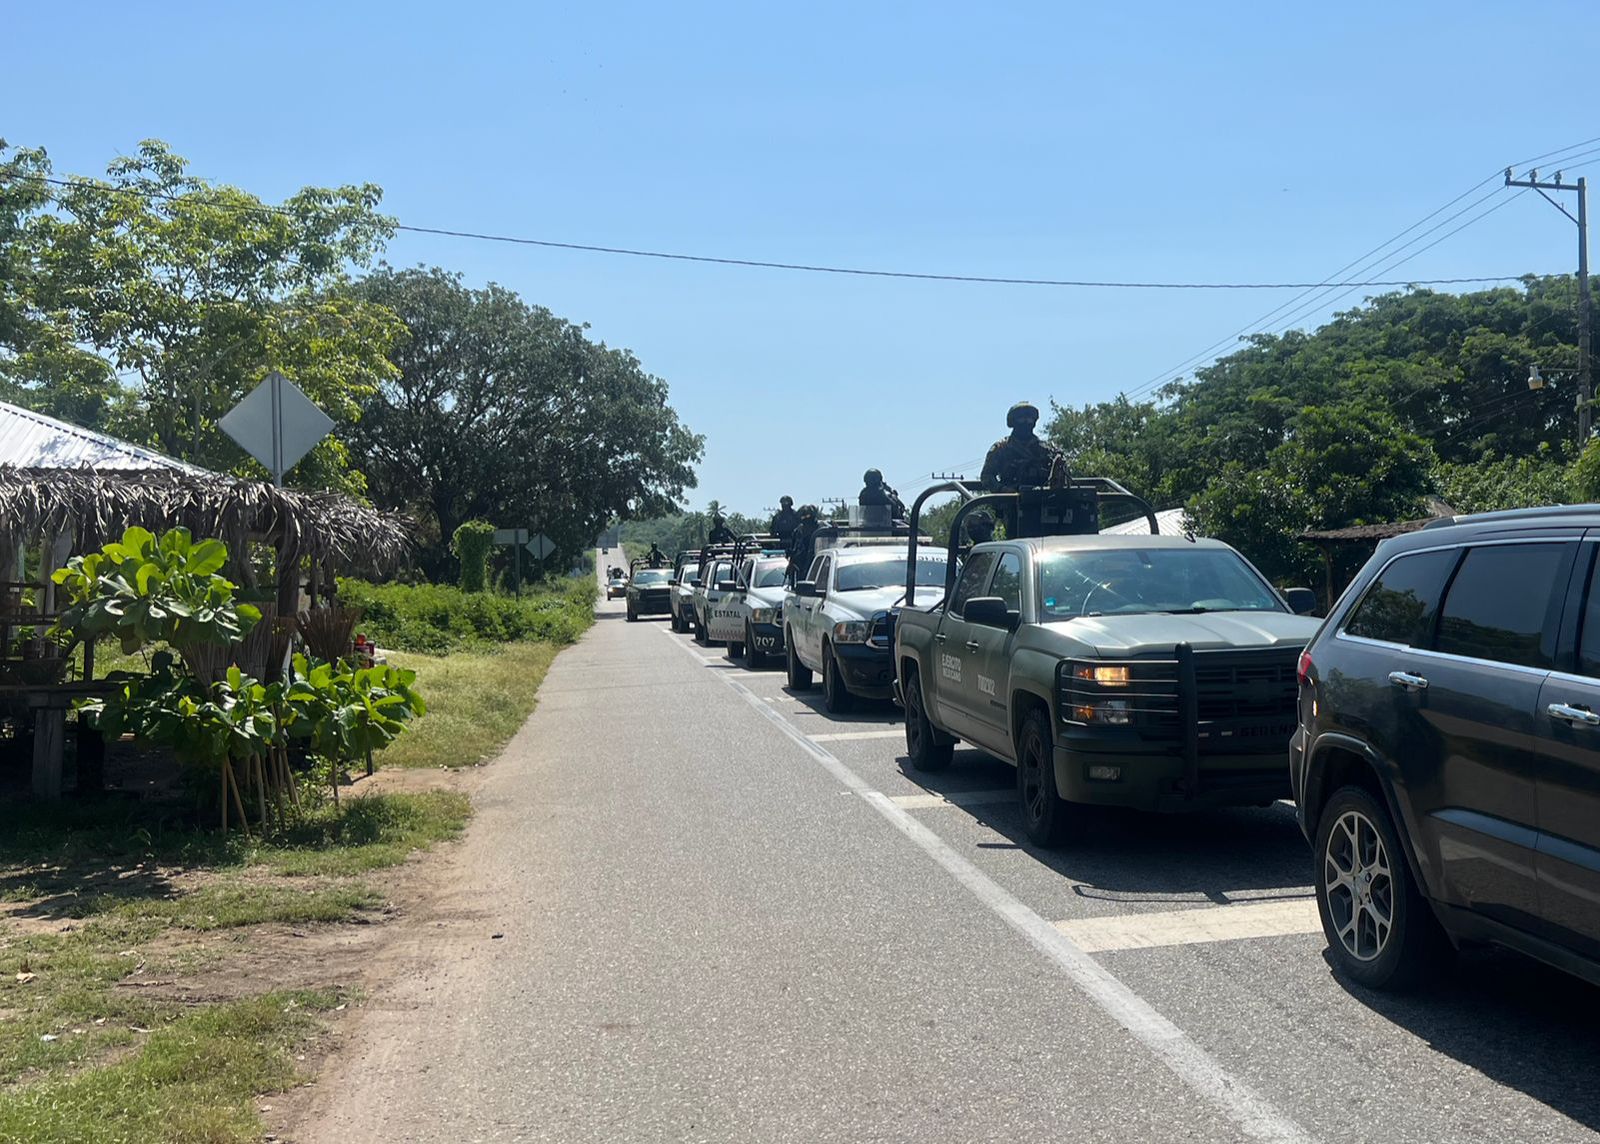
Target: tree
(195, 291)
(503, 412)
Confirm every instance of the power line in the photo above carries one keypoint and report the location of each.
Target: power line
(809, 268)
(1565, 158)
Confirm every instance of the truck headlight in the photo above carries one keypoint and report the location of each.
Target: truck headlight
(763, 615)
(852, 631)
(1108, 712)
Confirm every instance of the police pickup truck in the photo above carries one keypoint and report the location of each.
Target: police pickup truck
(681, 585)
(1147, 671)
(838, 619)
(749, 618)
(713, 581)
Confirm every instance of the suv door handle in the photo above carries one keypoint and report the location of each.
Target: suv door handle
(940, 636)
(1408, 680)
(1570, 714)
(973, 645)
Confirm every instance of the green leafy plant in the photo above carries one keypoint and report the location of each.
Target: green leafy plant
(345, 713)
(144, 590)
(471, 544)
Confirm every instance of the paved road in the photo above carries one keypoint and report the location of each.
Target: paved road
(727, 916)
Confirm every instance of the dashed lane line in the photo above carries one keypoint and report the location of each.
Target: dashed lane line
(1255, 1116)
(1193, 927)
(845, 736)
(957, 798)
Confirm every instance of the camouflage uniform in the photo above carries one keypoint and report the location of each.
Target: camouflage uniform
(1022, 460)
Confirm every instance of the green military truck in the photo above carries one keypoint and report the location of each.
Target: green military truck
(1147, 671)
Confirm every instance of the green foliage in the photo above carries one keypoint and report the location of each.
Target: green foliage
(677, 531)
(503, 411)
(142, 590)
(345, 712)
(470, 545)
(194, 291)
(1514, 482)
(436, 618)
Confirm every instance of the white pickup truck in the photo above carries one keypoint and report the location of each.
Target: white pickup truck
(837, 620)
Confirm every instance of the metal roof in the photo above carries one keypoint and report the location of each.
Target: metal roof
(30, 440)
(1169, 520)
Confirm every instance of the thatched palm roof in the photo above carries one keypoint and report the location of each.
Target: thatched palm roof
(96, 505)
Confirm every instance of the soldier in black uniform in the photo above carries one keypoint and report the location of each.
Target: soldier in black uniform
(799, 546)
(784, 520)
(720, 532)
(873, 490)
(657, 558)
(1022, 460)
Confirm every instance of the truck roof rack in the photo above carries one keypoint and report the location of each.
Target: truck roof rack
(759, 544)
(1070, 510)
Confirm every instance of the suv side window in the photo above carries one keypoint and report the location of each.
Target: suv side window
(972, 578)
(819, 572)
(1007, 582)
(1501, 601)
(1589, 633)
(1400, 605)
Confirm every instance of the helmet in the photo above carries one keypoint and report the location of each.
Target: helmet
(1021, 411)
(872, 477)
(809, 511)
(786, 501)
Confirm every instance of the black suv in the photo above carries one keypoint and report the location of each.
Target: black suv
(1447, 761)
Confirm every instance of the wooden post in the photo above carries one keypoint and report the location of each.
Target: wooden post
(49, 742)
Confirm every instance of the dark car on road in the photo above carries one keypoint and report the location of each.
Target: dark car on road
(1446, 765)
(649, 593)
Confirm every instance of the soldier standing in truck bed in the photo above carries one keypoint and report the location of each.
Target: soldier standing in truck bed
(784, 520)
(1022, 460)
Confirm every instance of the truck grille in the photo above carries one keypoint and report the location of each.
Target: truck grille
(1245, 699)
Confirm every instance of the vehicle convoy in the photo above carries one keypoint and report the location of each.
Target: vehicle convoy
(714, 582)
(1446, 766)
(681, 585)
(648, 593)
(750, 618)
(1145, 671)
(837, 619)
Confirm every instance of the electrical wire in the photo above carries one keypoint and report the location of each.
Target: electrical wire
(809, 268)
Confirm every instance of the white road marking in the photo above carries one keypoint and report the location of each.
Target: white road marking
(842, 736)
(1193, 927)
(960, 798)
(1255, 1116)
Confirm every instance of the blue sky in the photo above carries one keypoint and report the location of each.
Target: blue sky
(1156, 141)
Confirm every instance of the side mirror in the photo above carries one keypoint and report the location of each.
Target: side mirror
(991, 612)
(673, 582)
(727, 586)
(807, 588)
(1301, 601)
(694, 581)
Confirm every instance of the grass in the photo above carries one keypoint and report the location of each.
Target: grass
(193, 1080)
(85, 1058)
(476, 701)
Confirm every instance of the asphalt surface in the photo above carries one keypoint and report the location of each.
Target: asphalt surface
(727, 916)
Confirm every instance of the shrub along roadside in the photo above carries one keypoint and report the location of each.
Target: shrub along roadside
(434, 618)
(477, 701)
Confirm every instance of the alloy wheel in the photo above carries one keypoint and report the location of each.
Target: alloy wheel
(1360, 882)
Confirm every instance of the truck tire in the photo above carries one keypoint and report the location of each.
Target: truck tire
(1381, 931)
(735, 649)
(1046, 816)
(836, 698)
(633, 617)
(677, 624)
(799, 673)
(923, 748)
(753, 659)
(701, 636)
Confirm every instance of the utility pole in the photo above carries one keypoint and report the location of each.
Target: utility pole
(1585, 305)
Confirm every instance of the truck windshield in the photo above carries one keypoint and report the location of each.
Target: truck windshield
(650, 576)
(771, 575)
(887, 574)
(1126, 581)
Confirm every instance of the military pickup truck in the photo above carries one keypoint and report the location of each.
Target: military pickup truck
(1147, 671)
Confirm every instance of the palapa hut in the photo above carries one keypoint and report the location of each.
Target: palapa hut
(1345, 550)
(71, 490)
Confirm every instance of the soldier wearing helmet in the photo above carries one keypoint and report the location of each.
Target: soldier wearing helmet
(800, 540)
(720, 532)
(784, 521)
(874, 492)
(1022, 460)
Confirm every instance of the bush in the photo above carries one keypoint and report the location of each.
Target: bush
(433, 618)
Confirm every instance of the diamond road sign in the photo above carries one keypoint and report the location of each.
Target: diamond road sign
(541, 545)
(276, 424)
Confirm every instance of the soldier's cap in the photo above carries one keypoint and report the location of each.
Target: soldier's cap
(1021, 410)
(786, 502)
(872, 477)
